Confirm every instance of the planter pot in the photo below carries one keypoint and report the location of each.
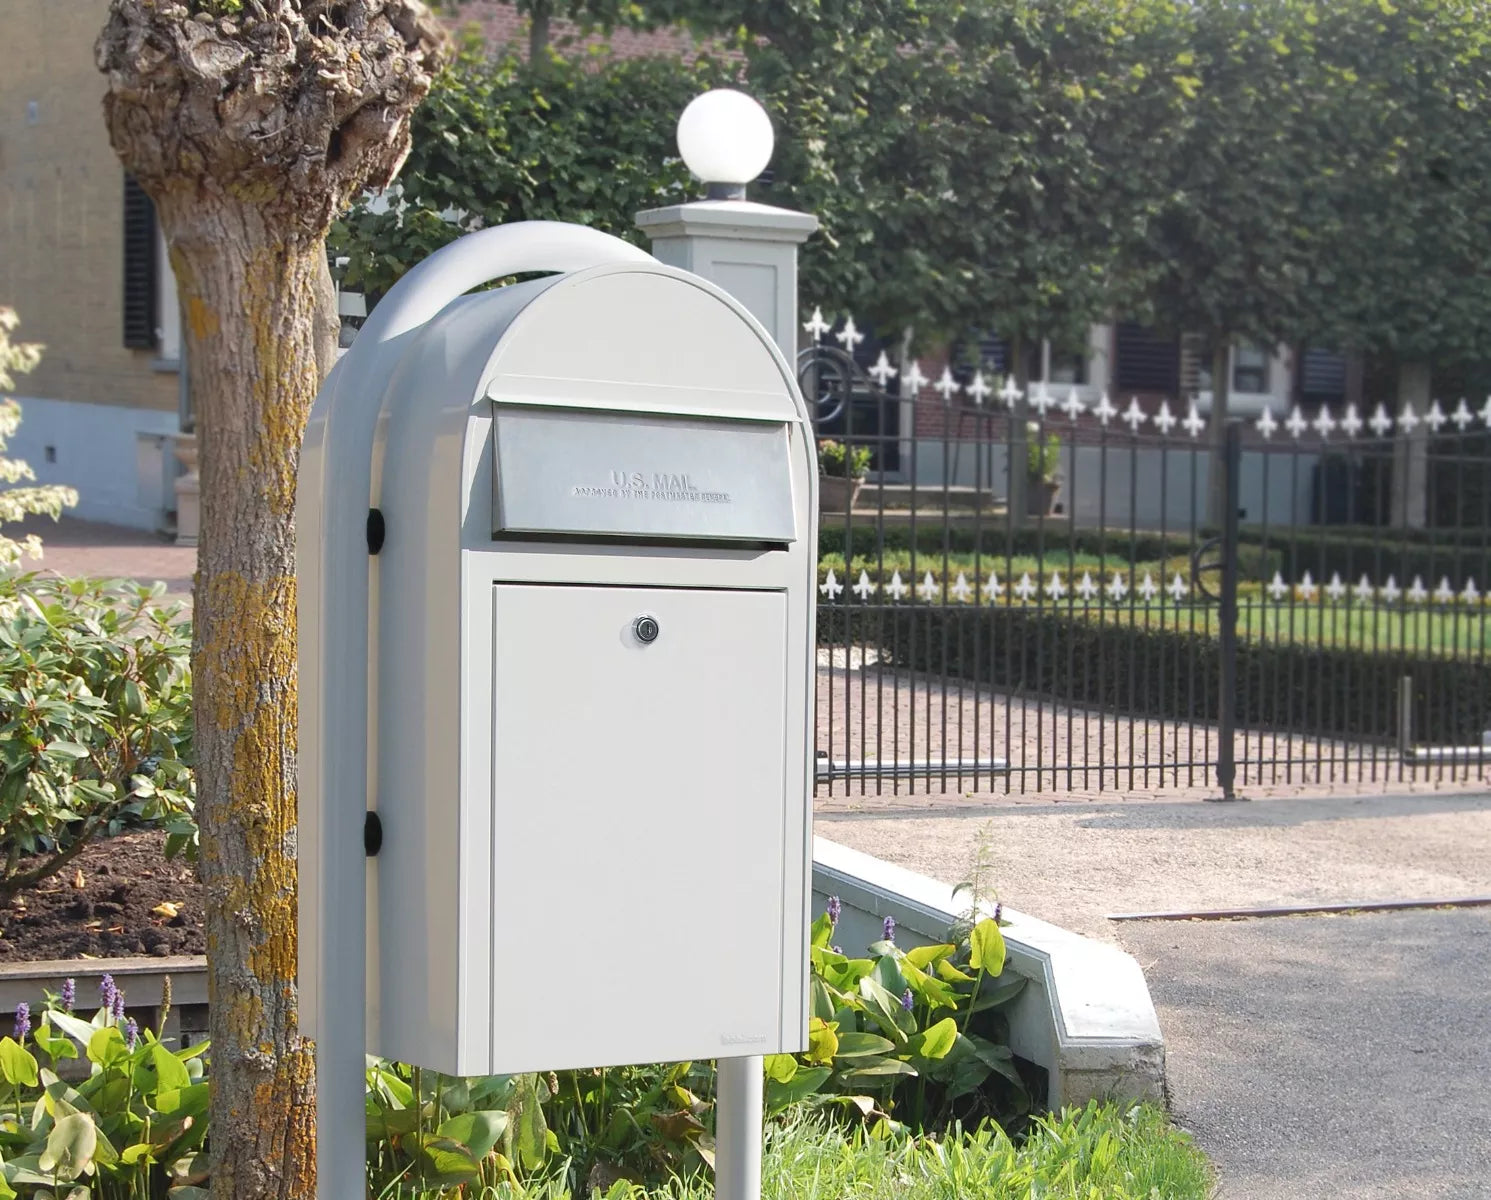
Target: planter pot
(1040, 497)
(836, 493)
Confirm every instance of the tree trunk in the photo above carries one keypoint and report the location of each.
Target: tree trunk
(258, 318)
(538, 33)
(1216, 482)
(1018, 489)
(1410, 480)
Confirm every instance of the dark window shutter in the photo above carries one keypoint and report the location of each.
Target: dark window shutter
(1146, 362)
(139, 268)
(1323, 377)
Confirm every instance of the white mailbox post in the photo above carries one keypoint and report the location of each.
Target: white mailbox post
(557, 566)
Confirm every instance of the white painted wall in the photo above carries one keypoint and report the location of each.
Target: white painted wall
(119, 458)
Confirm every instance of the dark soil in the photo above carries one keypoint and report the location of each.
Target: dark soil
(107, 903)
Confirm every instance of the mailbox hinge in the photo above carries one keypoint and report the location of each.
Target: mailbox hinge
(372, 835)
(376, 530)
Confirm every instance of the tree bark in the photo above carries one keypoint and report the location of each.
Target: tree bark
(1017, 490)
(538, 33)
(257, 311)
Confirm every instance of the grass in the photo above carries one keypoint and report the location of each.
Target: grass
(1101, 1152)
(1456, 629)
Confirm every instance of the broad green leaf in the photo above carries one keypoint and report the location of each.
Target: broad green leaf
(477, 1131)
(70, 1146)
(55, 1046)
(17, 1064)
(802, 1085)
(79, 1030)
(106, 1047)
(823, 1042)
(169, 1069)
(67, 749)
(780, 1067)
(876, 1069)
(821, 932)
(923, 957)
(986, 945)
(863, 1045)
(936, 1041)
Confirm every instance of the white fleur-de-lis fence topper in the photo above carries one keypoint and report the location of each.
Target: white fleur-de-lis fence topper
(816, 326)
(1025, 589)
(1382, 421)
(1118, 586)
(1351, 422)
(1391, 591)
(897, 586)
(831, 587)
(1324, 422)
(994, 589)
(979, 389)
(1073, 407)
(946, 386)
(864, 589)
(1195, 423)
(1408, 420)
(1470, 595)
(1335, 589)
(882, 372)
(913, 381)
(1134, 415)
(1055, 587)
(1148, 588)
(1087, 589)
(1444, 593)
(1462, 416)
(1043, 401)
(1105, 411)
(1178, 588)
(1267, 426)
(1165, 420)
(1436, 420)
(1296, 424)
(1363, 590)
(1486, 412)
(961, 590)
(849, 337)
(1277, 588)
(1417, 593)
(928, 588)
(1307, 588)
(1010, 393)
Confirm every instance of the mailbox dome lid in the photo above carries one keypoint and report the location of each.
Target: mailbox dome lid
(642, 338)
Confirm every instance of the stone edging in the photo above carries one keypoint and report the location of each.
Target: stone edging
(1086, 1015)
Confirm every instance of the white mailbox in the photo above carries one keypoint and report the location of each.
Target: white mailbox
(590, 664)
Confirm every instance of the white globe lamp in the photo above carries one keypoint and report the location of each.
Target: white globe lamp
(725, 139)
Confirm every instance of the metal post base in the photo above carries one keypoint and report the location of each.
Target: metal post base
(737, 1137)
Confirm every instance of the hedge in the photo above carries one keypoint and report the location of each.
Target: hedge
(1321, 691)
(1350, 551)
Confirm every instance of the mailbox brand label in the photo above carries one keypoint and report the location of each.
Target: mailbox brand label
(642, 485)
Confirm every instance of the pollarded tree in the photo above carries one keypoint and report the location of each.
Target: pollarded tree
(251, 124)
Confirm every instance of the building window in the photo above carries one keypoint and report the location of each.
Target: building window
(1043, 363)
(141, 312)
(1249, 368)
(1145, 361)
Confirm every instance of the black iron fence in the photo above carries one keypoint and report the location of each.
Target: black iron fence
(1045, 590)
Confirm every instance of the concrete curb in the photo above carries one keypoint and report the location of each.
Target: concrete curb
(1086, 1016)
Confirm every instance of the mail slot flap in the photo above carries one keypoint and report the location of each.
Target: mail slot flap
(578, 472)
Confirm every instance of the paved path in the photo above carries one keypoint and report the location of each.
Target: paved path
(86, 548)
(1346, 1058)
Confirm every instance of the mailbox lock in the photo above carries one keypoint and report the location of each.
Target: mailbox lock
(645, 629)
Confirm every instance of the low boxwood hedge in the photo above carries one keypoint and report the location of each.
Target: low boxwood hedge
(1321, 691)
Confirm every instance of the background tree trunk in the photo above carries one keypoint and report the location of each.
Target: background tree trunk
(1221, 379)
(1018, 489)
(258, 319)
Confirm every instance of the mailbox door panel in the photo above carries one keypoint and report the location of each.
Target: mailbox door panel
(639, 789)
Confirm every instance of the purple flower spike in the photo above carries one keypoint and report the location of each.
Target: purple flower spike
(907, 1000)
(117, 1010)
(998, 911)
(106, 993)
(131, 1033)
(23, 1021)
(835, 908)
(69, 995)
(888, 930)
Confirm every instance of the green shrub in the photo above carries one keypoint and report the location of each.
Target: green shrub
(1043, 455)
(1172, 672)
(835, 458)
(95, 720)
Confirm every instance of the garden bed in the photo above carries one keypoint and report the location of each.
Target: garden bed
(119, 897)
